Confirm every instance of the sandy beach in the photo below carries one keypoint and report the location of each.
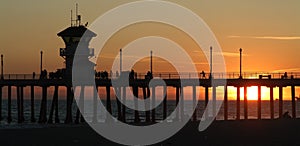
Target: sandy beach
(250, 132)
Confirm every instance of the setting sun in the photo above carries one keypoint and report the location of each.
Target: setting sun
(252, 93)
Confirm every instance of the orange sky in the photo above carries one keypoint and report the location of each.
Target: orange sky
(268, 31)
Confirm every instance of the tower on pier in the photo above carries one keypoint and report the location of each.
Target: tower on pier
(72, 36)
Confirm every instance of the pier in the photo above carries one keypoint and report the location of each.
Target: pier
(171, 81)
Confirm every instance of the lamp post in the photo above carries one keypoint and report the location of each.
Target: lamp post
(2, 77)
(151, 61)
(120, 61)
(41, 67)
(211, 62)
(241, 63)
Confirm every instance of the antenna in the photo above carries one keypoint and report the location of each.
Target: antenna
(71, 18)
(76, 8)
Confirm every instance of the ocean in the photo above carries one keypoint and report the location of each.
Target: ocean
(252, 110)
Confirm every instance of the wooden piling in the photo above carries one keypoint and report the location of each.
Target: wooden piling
(147, 105)
(22, 104)
(0, 103)
(123, 105)
(32, 104)
(153, 112)
(206, 100)
(80, 109)
(238, 102)
(135, 100)
(271, 103)
(70, 96)
(9, 119)
(181, 104)
(54, 107)
(19, 104)
(259, 103)
(293, 102)
(225, 103)
(165, 108)
(43, 110)
(245, 103)
(95, 104)
(108, 104)
(118, 97)
(177, 101)
(194, 103)
(280, 101)
(214, 98)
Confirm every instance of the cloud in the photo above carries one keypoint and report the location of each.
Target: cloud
(268, 37)
(287, 70)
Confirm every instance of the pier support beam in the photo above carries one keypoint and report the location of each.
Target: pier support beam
(9, 119)
(259, 103)
(70, 96)
(181, 103)
(118, 89)
(245, 103)
(95, 104)
(177, 101)
(123, 105)
(43, 109)
(135, 100)
(147, 105)
(225, 103)
(293, 102)
(280, 102)
(271, 103)
(22, 104)
(165, 108)
(153, 112)
(32, 104)
(194, 103)
(214, 98)
(238, 102)
(54, 106)
(80, 109)
(0, 103)
(206, 100)
(108, 104)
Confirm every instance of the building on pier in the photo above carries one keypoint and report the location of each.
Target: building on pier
(76, 38)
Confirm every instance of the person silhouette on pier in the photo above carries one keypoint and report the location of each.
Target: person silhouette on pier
(149, 76)
(131, 75)
(203, 74)
(285, 75)
(286, 115)
(33, 75)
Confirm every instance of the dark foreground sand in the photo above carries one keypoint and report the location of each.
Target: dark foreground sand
(250, 132)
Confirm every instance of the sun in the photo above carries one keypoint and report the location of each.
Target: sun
(252, 93)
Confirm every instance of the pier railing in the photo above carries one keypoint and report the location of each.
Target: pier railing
(186, 75)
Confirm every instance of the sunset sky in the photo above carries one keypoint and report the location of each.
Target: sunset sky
(268, 31)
